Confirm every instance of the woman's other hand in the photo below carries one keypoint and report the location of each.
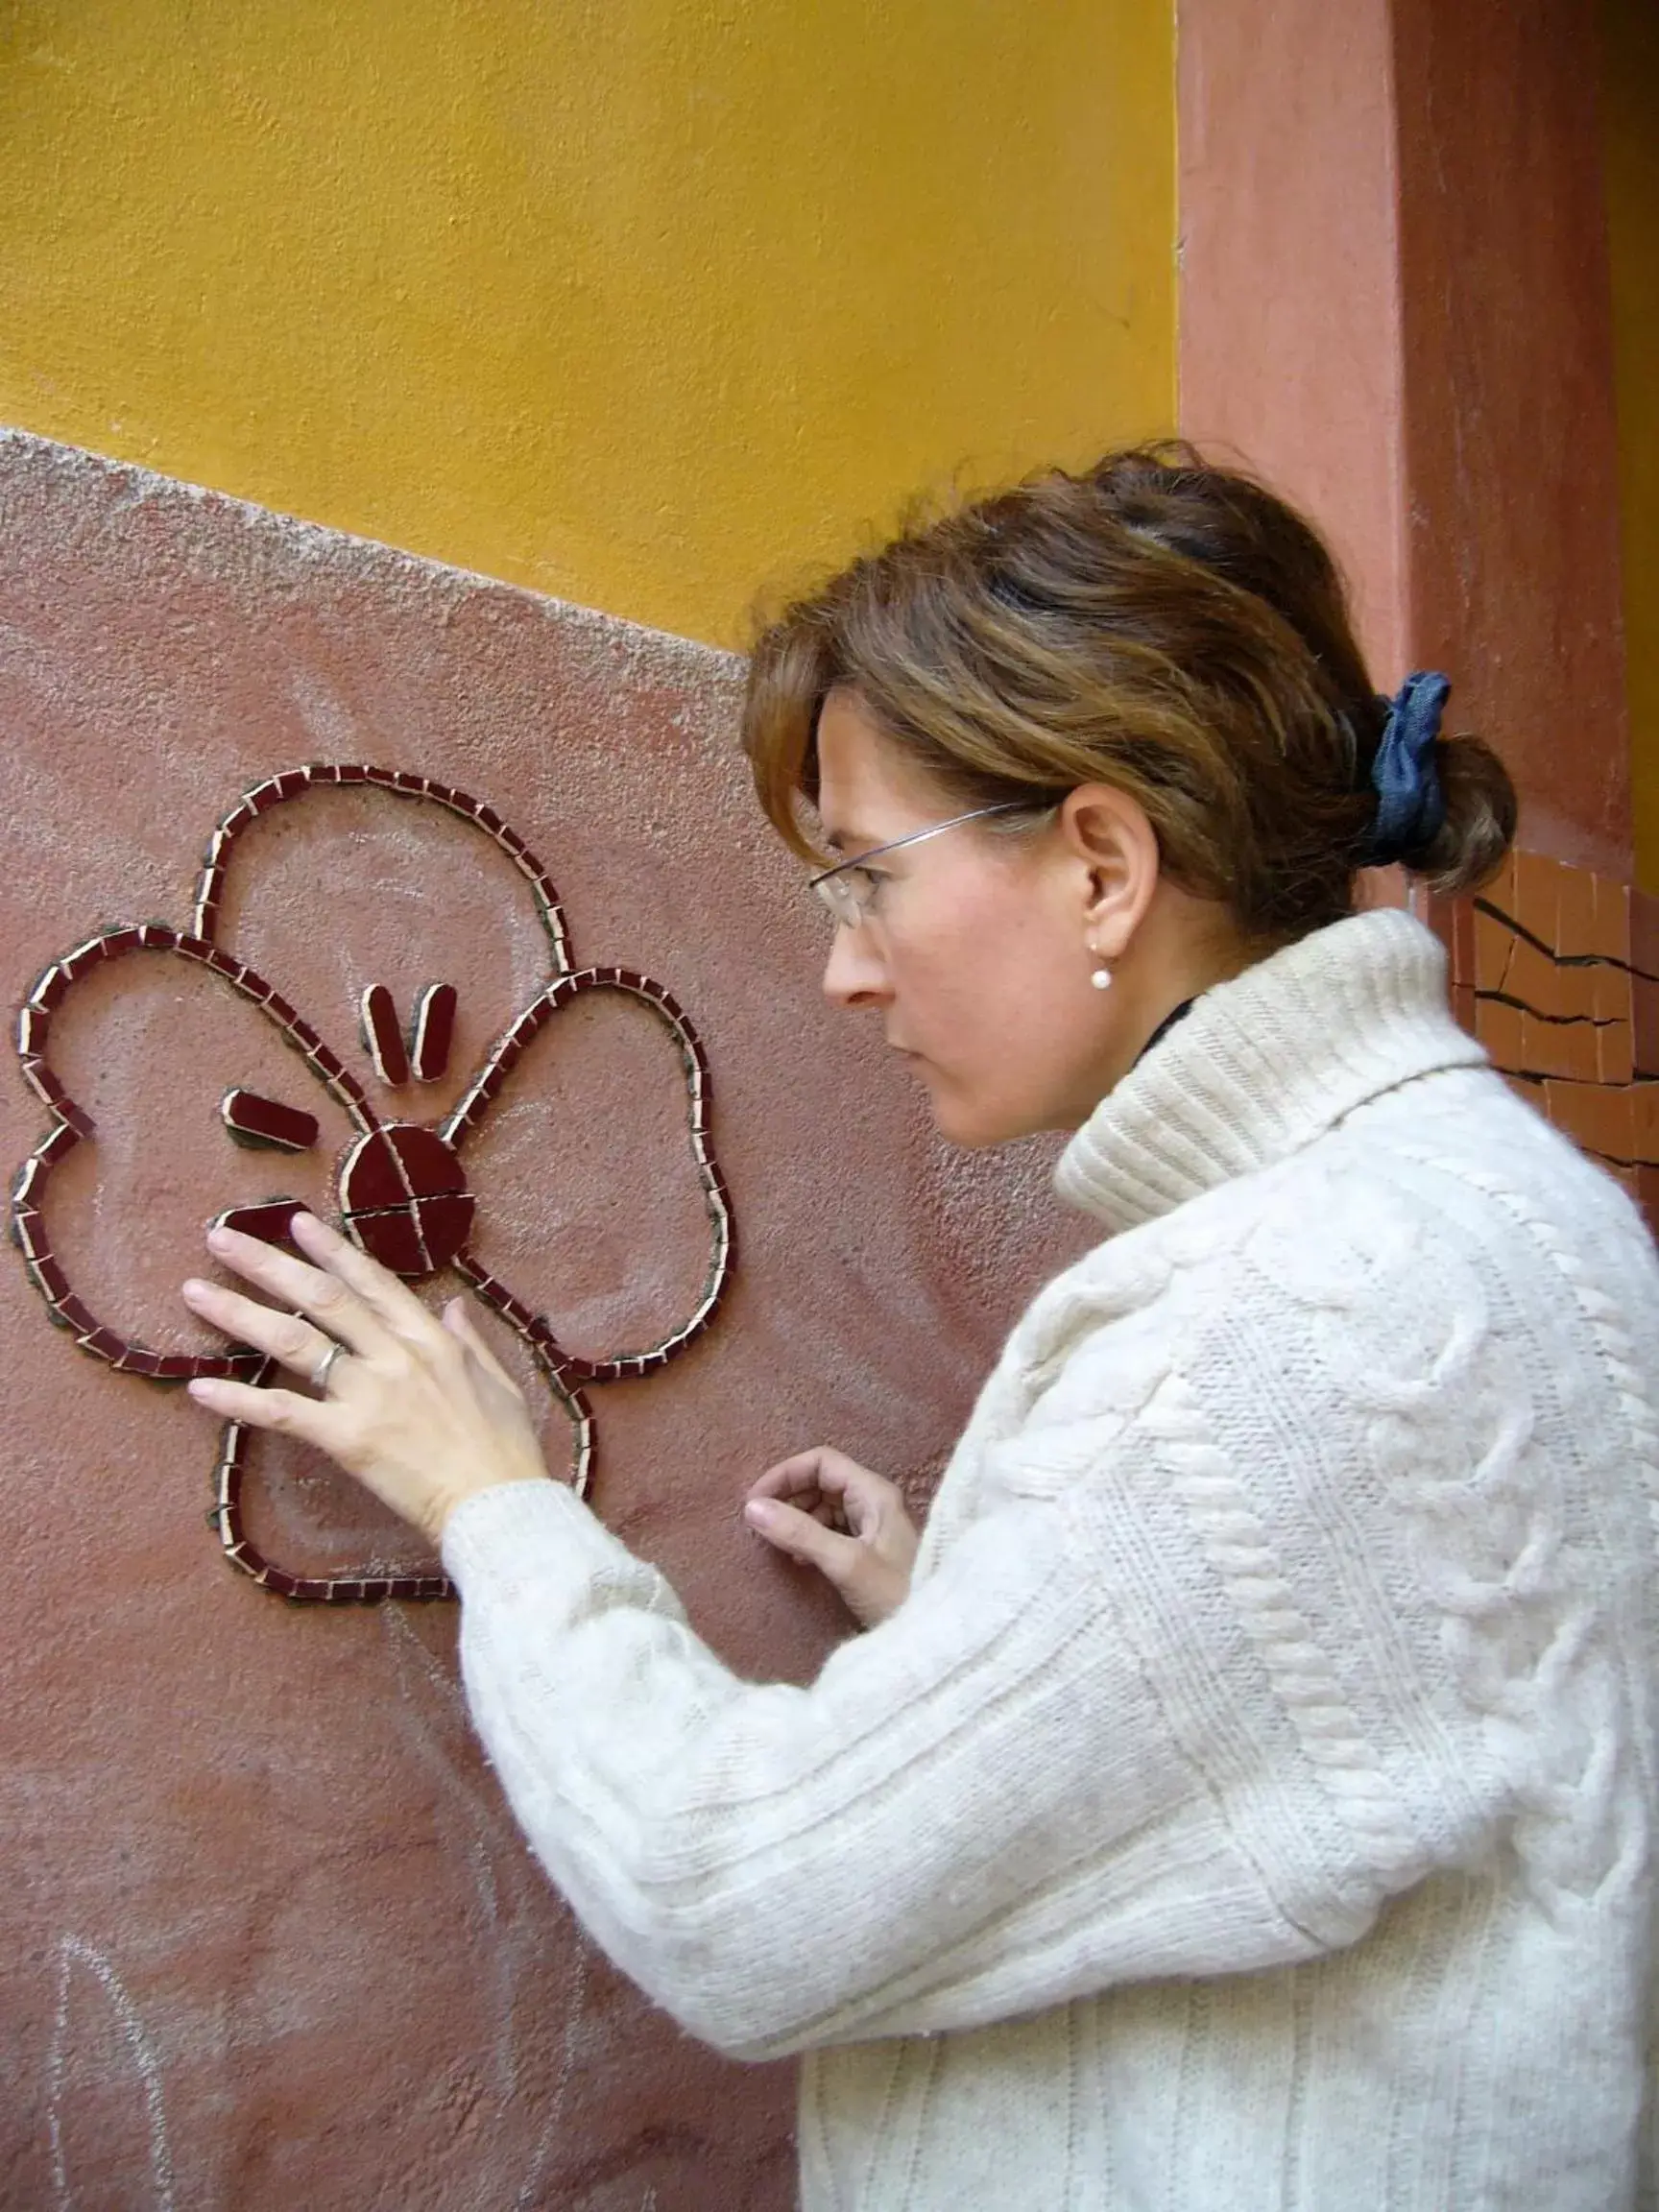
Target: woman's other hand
(417, 1405)
(829, 1512)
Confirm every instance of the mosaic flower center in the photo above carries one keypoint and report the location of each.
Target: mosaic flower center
(404, 1200)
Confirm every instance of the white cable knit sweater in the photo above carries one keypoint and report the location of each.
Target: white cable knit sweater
(1253, 1805)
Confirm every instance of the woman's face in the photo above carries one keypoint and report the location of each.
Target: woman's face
(975, 947)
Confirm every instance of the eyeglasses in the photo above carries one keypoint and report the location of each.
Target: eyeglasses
(848, 892)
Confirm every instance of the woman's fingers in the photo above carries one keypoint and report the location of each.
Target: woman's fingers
(821, 1472)
(870, 1583)
(828, 1511)
(421, 1410)
(388, 1298)
(460, 1323)
(317, 1291)
(801, 1537)
(289, 1338)
(790, 1478)
(312, 1419)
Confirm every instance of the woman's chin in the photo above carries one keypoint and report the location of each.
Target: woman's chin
(970, 1125)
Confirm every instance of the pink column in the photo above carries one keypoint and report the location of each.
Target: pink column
(1395, 306)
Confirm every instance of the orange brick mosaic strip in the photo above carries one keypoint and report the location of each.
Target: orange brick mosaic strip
(1555, 970)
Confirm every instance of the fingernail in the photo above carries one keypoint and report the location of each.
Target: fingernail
(192, 1286)
(198, 1388)
(759, 1511)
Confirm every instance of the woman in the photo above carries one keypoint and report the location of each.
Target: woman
(1244, 1794)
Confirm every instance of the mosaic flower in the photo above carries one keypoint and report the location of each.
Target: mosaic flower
(401, 1184)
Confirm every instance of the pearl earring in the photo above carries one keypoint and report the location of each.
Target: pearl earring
(1101, 978)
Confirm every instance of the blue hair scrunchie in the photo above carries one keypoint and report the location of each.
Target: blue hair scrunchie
(1411, 804)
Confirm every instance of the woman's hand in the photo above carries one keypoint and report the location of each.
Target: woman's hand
(417, 1407)
(824, 1509)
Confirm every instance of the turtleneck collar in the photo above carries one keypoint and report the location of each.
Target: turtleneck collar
(1265, 1064)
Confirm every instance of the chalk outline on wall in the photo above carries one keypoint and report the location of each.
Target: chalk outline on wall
(567, 1372)
(74, 1951)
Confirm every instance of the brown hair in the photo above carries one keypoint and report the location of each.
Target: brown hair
(1155, 623)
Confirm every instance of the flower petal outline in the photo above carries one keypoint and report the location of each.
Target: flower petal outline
(567, 1373)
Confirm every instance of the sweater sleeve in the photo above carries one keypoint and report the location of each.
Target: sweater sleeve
(1052, 1769)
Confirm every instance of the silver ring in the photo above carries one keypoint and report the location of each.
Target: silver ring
(325, 1366)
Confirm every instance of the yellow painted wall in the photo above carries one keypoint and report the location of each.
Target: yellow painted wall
(1630, 107)
(638, 302)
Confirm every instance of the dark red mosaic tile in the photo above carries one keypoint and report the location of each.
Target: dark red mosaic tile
(370, 1176)
(383, 1036)
(185, 1366)
(391, 1239)
(254, 1120)
(75, 1313)
(430, 1169)
(29, 1182)
(83, 960)
(434, 1032)
(445, 1225)
(270, 1223)
(104, 1343)
(38, 1076)
(28, 1231)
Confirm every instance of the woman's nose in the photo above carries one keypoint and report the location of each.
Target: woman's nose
(855, 974)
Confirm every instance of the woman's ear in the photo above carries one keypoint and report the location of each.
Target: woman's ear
(1109, 835)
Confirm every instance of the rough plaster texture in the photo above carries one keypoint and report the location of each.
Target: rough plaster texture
(1395, 304)
(270, 1937)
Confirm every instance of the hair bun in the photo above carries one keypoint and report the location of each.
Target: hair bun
(1479, 827)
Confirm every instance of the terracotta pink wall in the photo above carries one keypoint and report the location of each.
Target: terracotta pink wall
(1395, 306)
(1511, 437)
(270, 1937)
(1289, 329)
